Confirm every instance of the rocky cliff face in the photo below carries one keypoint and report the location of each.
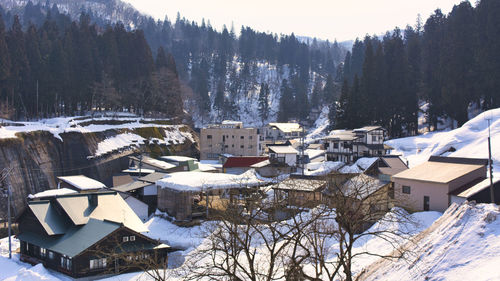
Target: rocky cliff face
(37, 158)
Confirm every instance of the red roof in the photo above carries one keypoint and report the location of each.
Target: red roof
(243, 161)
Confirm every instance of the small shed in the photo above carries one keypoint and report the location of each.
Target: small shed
(188, 195)
(299, 192)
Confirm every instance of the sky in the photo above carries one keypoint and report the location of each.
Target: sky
(323, 19)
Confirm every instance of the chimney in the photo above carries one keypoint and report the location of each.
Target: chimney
(93, 200)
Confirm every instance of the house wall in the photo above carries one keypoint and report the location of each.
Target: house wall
(274, 134)
(111, 249)
(478, 173)
(176, 204)
(299, 198)
(228, 140)
(150, 190)
(236, 170)
(437, 192)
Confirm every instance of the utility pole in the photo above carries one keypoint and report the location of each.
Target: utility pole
(9, 220)
(37, 116)
(490, 162)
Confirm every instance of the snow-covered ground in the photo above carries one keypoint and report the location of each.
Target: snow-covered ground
(57, 126)
(464, 244)
(470, 140)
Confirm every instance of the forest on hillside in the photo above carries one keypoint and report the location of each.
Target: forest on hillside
(450, 62)
(64, 67)
(218, 67)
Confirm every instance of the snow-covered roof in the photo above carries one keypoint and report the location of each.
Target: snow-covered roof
(136, 170)
(341, 135)
(198, 181)
(261, 164)
(359, 166)
(51, 193)
(362, 186)
(174, 158)
(154, 162)
(283, 149)
(300, 184)
(322, 168)
(477, 187)
(368, 128)
(287, 127)
(313, 153)
(82, 182)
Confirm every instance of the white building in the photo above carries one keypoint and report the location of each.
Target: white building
(283, 154)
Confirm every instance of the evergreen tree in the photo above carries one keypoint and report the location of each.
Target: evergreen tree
(286, 102)
(264, 102)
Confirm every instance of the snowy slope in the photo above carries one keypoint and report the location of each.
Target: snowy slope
(464, 244)
(470, 140)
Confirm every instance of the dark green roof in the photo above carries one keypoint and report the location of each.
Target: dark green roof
(76, 240)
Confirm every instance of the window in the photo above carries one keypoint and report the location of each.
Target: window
(374, 138)
(335, 145)
(43, 252)
(250, 137)
(209, 136)
(226, 146)
(98, 263)
(132, 238)
(242, 146)
(66, 262)
(51, 255)
(209, 145)
(232, 145)
(232, 136)
(406, 189)
(250, 146)
(125, 238)
(242, 137)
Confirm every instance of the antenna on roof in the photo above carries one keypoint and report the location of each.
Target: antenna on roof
(490, 163)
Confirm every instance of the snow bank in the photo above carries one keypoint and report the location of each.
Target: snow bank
(470, 140)
(322, 168)
(359, 166)
(464, 244)
(117, 142)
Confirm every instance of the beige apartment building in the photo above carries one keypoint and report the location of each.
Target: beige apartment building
(229, 137)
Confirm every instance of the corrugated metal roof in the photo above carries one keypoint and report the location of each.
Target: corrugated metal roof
(131, 186)
(76, 240)
(48, 217)
(439, 172)
(152, 178)
(243, 161)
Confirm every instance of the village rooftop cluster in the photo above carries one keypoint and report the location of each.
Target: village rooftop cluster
(83, 227)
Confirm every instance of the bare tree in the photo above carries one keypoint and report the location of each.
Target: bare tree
(313, 244)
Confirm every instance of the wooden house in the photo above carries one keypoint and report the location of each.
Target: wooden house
(300, 192)
(87, 234)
